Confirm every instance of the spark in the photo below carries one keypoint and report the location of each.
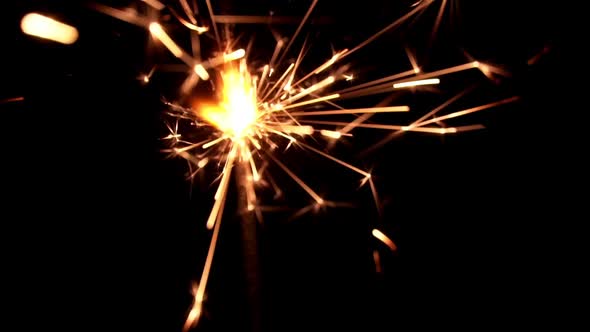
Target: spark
(312, 101)
(214, 25)
(274, 19)
(191, 26)
(470, 110)
(47, 28)
(11, 100)
(446, 71)
(347, 165)
(389, 109)
(416, 83)
(419, 8)
(384, 87)
(145, 78)
(329, 62)
(311, 89)
(377, 260)
(300, 182)
(188, 11)
(438, 19)
(196, 309)
(381, 80)
(384, 238)
(159, 33)
(278, 82)
(533, 60)
(413, 61)
(200, 70)
(415, 128)
(128, 16)
(331, 133)
(155, 4)
(263, 77)
(309, 11)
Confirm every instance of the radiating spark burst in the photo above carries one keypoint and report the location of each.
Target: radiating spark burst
(258, 114)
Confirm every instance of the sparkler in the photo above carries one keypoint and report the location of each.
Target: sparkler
(259, 114)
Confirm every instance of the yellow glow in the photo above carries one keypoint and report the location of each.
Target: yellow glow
(237, 112)
(44, 27)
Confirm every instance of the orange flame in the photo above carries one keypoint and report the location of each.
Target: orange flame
(236, 113)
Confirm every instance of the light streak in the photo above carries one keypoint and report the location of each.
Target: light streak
(159, 33)
(390, 109)
(155, 4)
(47, 28)
(311, 7)
(331, 133)
(384, 238)
(312, 101)
(12, 100)
(416, 83)
(469, 110)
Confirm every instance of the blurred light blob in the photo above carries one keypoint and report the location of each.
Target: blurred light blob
(47, 28)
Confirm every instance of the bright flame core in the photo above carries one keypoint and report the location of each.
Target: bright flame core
(237, 112)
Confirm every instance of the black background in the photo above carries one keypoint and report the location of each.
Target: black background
(100, 231)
